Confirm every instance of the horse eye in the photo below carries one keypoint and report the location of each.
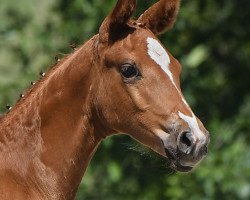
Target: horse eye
(129, 71)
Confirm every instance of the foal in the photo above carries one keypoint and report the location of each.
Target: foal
(120, 81)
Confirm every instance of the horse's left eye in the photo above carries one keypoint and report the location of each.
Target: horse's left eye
(129, 71)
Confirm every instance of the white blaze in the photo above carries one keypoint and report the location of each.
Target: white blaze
(193, 124)
(160, 56)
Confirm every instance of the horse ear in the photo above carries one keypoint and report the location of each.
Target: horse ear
(116, 22)
(161, 16)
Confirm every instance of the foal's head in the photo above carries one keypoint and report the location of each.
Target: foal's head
(139, 85)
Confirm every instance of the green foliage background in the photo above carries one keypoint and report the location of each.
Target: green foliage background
(211, 39)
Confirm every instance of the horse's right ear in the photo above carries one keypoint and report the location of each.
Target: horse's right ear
(161, 16)
(116, 22)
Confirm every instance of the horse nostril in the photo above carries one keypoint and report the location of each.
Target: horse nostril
(185, 142)
(186, 138)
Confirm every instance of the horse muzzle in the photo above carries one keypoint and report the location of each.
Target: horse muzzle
(185, 151)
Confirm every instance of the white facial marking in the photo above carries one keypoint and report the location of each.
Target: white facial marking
(162, 135)
(160, 56)
(193, 124)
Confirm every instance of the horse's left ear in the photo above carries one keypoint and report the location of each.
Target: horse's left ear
(116, 22)
(161, 16)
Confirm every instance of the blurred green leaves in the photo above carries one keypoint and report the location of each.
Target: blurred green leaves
(195, 58)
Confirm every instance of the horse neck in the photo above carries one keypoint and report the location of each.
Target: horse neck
(48, 139)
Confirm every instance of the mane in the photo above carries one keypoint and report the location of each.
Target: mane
(34, 88)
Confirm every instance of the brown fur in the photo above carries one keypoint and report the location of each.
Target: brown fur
(161, 16)
(48, 139)
(115, 23)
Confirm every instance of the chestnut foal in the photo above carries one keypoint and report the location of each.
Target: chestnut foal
(120, 81)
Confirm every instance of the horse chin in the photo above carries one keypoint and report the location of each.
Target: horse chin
(175, 163)
(180, 168)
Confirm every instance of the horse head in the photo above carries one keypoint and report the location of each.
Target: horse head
(138, 89)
